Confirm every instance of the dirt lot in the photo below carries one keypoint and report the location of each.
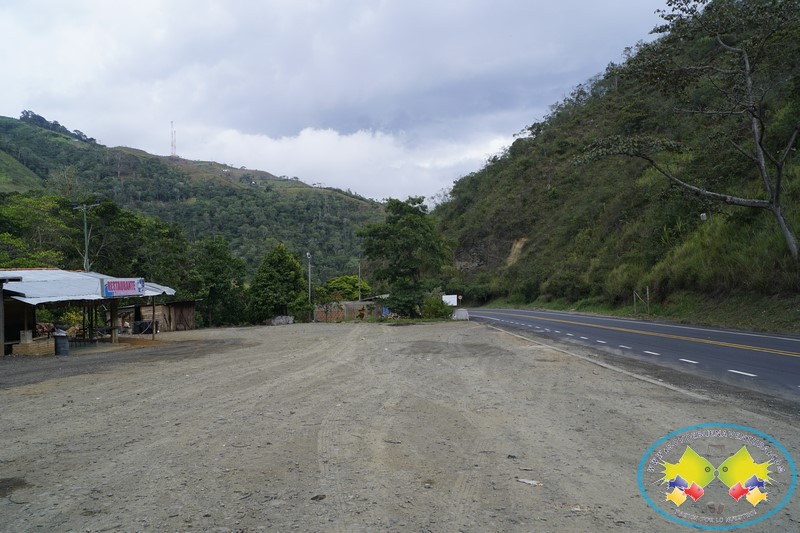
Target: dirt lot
(348, 427)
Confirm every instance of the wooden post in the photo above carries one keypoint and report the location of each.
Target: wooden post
(2, 320)
(3, 281)
(114, 339)
(91, 322)
(153, 321)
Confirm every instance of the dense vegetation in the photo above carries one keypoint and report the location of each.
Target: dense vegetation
(253, 211)
(673, 173)
(41, 230)
(407, 257)
(583, 207)
(205, 229)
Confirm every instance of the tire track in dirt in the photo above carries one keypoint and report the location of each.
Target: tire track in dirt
(455, 489)
(418, 428)
(464, 352)
(337, 441)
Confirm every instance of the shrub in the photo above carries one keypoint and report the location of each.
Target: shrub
(434, 307)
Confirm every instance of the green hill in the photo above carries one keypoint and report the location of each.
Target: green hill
(16, 177)
(253, 210)
(586, 207)
(560, 216)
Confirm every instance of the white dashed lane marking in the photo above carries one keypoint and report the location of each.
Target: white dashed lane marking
(541, 329)
(743, 373)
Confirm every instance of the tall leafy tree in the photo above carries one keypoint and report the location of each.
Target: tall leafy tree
(218, 281)
(348, 287)
(17, 253)
(405, 249)
(278, 287)
(123, 243)
(732, 62)
(40, 231)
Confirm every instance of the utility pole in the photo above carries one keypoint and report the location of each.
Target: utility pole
(85, 208)
(308, 255)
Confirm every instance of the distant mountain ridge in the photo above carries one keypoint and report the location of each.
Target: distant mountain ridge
(253, 209)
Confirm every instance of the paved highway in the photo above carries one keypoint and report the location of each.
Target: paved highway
(768, 363)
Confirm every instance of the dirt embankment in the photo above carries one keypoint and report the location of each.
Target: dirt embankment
(350, 427)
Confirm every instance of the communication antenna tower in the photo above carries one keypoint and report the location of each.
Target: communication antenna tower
(174, 146)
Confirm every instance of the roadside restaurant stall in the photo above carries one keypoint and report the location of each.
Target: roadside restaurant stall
(25, 290)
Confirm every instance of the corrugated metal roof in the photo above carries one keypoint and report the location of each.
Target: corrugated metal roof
(39, 286)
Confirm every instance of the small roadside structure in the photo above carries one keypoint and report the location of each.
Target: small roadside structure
(27, 289)
(460, 314)
(170, 316)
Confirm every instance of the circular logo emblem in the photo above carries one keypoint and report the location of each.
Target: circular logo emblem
(717, 476)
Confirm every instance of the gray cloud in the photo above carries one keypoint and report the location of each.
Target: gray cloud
(316, 89)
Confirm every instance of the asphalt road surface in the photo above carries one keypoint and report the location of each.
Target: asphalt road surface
(762, 362)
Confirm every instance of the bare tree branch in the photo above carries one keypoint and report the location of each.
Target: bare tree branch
(719, 197)
(790, 146)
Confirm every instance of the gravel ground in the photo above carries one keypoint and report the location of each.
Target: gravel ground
(346, 427)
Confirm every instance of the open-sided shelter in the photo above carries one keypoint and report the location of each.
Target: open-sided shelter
(24, 290)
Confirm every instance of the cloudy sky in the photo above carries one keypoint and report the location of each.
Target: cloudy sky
(387, 98)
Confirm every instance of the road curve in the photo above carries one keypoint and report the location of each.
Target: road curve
(760, 361)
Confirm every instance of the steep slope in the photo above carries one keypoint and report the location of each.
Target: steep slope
(539, 221)
(16, 177)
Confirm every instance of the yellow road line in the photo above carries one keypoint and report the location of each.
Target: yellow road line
(663, 335)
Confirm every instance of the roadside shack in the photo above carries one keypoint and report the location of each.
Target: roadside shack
(169, 316)
(26, 290)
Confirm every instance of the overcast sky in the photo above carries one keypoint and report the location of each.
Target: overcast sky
(387, 98)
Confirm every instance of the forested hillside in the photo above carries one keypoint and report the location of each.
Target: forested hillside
(591, 203)
(673, 173)
(252, 210)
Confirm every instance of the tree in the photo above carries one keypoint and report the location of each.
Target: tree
(732, 62)
(127, 244)
(329, 300)
(347, 287)
(39, 231)
(278, 287)
(218, 280)
(405, 249)
(434, 306)
(16, 253)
